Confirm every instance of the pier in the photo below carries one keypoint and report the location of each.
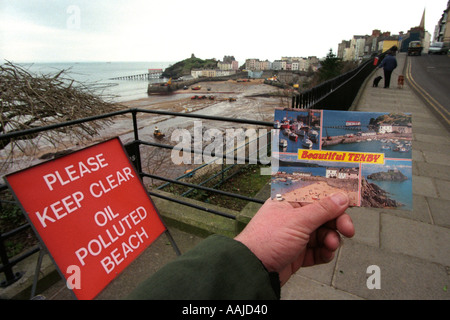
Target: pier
(151, 74)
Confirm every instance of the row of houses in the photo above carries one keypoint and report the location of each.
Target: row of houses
(442, 30)
(363, 46)
(285, 63)
(227, 67)
(211, 73)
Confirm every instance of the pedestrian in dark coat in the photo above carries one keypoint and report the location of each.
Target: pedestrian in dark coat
(388, 64)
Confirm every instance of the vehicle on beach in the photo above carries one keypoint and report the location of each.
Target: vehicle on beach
(158, 134)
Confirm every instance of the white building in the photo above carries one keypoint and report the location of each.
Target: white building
(222, 73)
(331, 173)
(348, 173)
(196, 73)
(304, 65)
(224, 66)
(385, 128)
(279, 65)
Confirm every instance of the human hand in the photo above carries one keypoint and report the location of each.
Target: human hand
(285, 238)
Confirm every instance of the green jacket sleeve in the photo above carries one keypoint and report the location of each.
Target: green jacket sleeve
(219, 268)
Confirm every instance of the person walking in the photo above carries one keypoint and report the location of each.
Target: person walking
(388, 64)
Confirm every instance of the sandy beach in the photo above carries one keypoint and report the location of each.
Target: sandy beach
(317, 191)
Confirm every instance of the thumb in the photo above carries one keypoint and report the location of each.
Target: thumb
(327, 209)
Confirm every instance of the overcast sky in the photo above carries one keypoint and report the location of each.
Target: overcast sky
(138, 30)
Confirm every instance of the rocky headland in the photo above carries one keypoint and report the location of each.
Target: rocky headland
(392, 175)
(375, 197)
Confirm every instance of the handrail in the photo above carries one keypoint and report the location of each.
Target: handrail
(319, 96)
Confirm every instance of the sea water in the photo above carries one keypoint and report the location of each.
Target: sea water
(101, 74)
(397, 190)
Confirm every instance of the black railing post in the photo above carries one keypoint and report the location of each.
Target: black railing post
(7, 268)
(10, 276)
(135, 146)
(135, 126)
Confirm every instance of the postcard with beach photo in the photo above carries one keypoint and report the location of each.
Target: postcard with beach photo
(368, 155)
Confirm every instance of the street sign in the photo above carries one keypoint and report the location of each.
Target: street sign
(91, 212)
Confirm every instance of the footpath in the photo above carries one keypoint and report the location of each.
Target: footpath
(410, 250)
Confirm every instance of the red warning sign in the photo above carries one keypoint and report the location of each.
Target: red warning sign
(91, 211)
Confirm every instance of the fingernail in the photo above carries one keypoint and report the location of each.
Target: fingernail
(339, 198)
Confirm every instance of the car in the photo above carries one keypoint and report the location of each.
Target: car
(438, 48)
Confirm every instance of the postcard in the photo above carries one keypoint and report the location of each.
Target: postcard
(368, 155)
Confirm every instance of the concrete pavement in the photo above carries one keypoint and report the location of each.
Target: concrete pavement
(410, 248)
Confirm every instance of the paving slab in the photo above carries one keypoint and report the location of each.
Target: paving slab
(443, 188)
(433, 170)
(424, 186)
(420, 212)
(302, 288)
(438, 158)
(439, 210)
(321, 273)
(402, 277)
(429, 146)
(367, 225)
(442, 141)
(409, 237)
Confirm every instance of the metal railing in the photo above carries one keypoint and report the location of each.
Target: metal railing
(133, 150)
(337, 93)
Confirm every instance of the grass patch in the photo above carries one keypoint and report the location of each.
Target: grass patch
(243, 180)
(11, 217)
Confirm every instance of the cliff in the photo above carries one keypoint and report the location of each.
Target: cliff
(375, 197)
(388, 176)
